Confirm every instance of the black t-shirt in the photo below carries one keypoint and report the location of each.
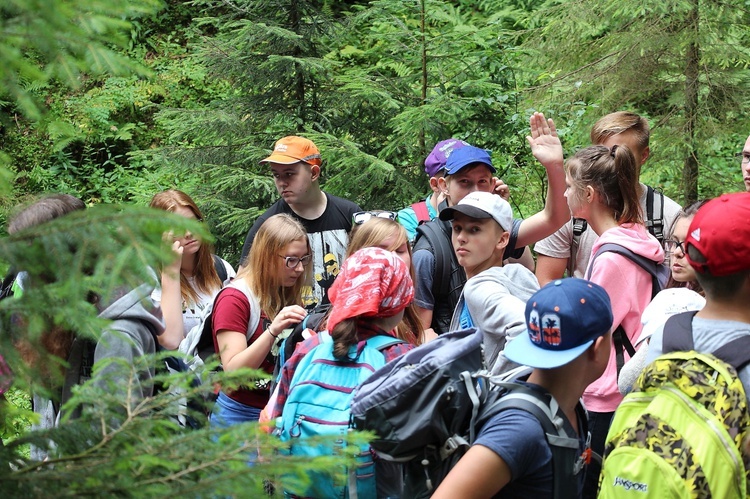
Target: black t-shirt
(328, 235)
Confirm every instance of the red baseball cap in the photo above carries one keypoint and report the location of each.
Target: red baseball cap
(720, 231)
(293, 149)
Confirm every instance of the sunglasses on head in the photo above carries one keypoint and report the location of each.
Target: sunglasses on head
(363, 216)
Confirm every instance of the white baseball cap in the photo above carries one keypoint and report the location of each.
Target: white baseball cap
(482, 205)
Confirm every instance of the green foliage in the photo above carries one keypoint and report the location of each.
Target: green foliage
(134, 448)
(121, 444)
(638, 56)
(62, 40)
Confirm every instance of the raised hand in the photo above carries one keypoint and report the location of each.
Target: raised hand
(545, 144)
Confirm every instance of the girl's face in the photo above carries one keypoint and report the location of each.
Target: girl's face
(190, 245)
(681, 269)
(574, 196)
(295, 249)
(401, 251)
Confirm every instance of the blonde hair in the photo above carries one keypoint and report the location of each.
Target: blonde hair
(205, 277)
(621, 122)
(263, 268)
(372, 233)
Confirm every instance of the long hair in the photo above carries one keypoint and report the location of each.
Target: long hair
(264, 267)
(687, 212)
(614, 176)
(205, 277)
(373, 233)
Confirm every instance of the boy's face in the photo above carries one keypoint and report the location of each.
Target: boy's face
(630, 140)
(476, 177)
(476, 240)
(294, 181)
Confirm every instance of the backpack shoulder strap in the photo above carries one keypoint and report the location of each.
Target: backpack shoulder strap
(563, 442)
(678, 337)
(678, 333)
(252, 324)
(622, 344)
(221, 270)
(579, 227)
(510, 250)
(442, 252)
(648, 265)
(381, 342)
(421, 211)
(655, 213)
(735, 353)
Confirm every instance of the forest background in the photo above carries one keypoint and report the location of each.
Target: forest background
(192, 95)
(115, 100)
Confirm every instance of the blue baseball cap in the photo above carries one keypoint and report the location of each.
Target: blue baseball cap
(562, 319)
(465, 156)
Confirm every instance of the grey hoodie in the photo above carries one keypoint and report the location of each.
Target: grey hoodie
(496, 299)
(136, 322)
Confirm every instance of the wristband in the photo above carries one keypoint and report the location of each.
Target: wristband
(269, 332)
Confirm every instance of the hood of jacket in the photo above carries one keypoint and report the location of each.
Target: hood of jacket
(496, 299)
(636, 238)
(133, 305)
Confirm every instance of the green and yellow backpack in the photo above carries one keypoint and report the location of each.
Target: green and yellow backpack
(681, 432)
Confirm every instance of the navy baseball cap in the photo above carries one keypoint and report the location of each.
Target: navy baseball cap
(562, 319)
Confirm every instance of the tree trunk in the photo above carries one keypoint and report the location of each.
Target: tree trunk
(690, 170)
(299, 84)
(422, 145)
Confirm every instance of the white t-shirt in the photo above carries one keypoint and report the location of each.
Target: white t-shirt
(192, 315)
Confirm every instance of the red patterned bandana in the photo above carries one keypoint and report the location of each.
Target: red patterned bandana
(372, 282)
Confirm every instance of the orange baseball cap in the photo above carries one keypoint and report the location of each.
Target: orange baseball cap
(292, 149)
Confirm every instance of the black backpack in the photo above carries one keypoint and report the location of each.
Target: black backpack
(427, 406)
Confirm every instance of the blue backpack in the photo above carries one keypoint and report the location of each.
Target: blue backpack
(318, 404)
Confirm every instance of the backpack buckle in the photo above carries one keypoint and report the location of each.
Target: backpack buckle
(451, 445)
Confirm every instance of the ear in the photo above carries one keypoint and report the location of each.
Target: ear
(442, 185)
(315, 172)
(645, 155)
(601, 347)
(589, 194)
(434, 184)
(503, 242)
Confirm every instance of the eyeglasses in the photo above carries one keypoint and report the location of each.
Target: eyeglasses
(744, 157)
(293, 261)
(671, 245)
(363, 216)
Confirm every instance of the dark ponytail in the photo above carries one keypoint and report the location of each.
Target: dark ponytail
(344, 336)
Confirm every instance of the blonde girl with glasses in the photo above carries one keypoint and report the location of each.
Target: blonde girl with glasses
(252, 312)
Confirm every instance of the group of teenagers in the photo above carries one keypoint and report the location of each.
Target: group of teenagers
(459, 259)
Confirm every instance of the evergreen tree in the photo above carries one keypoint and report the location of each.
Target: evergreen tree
(681, 63)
